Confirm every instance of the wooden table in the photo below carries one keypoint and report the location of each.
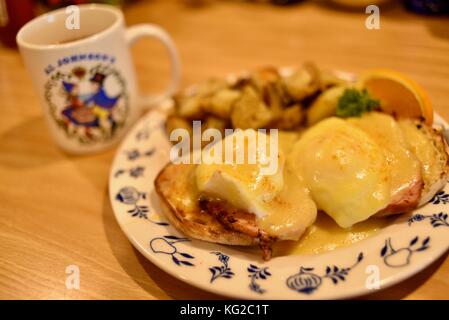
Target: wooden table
(54, 207)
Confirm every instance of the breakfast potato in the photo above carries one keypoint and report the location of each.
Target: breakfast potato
(290, 118)
(263, 98)
(211, 86)
(263, 77)
(268, 84)
(325, 105)
(250, 111)
(329, 79)
(190, 106)
(221, 102)
(214, 123)
(274, 98)
(174, 122)
(303, 82)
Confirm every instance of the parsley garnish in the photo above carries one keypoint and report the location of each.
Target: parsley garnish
(354, 102)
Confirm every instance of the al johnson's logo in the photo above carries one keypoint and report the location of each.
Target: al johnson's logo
(89, 103)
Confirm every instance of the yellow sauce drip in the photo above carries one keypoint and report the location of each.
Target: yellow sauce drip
(325, 235)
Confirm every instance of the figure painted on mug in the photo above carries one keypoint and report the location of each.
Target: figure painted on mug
(92, 109)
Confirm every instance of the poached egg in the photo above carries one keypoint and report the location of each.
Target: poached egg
(356, 167)
(279, 199)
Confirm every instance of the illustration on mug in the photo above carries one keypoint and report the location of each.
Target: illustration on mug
(88, 104)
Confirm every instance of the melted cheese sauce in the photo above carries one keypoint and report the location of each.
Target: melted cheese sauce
(404, 167)
(291, 211)
(325, 235)
(428, 153)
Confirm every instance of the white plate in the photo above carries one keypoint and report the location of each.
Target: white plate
(395, 253)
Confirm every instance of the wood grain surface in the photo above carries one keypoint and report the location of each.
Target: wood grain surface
(54, 207)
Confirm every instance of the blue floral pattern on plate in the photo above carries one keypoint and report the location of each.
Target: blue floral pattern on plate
(397, 258)
(134, 172)
(223, 271)
(131, 196)
(136, 154)
(436, 219)
(441, 197)
(306, 281)
(256, 273)
(167, 245)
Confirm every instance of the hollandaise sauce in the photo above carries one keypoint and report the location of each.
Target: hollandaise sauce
(325, 235)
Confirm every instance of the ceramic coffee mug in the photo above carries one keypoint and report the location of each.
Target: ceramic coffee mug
(81, 67)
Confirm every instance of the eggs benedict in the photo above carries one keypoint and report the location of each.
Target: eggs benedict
(350, 169)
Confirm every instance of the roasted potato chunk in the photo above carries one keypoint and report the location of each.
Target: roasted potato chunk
(221, 102)
(214, 123)
(175, 122)
(268, 84)
(329, 79)
(211, 86)
(290, 118)
(190, 106)
(250, 111)
(325, 105)
(303, 82)
(264, 77)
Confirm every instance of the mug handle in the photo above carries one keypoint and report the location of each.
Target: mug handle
(136, 32)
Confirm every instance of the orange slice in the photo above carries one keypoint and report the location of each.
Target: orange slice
(398, 95)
